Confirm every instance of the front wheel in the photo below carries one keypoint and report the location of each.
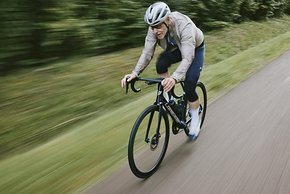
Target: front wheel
(148, 141)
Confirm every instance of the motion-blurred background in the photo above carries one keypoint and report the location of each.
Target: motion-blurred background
(38, 32)
(61, 63)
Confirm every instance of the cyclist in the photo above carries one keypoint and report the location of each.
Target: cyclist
(182, 42)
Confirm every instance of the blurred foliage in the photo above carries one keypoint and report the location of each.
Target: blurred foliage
(40, 103)
(40, 31)
(263, 9)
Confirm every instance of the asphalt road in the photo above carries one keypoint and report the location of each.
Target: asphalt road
(244, 146)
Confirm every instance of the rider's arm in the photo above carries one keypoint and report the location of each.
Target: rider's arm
(147, 53)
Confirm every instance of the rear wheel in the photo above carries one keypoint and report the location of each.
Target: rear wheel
(202, 95)
(148, 142)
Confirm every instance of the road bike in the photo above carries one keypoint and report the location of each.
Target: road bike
(149, 137)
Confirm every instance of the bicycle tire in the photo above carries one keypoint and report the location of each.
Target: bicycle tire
(203, 102)
(136, 151)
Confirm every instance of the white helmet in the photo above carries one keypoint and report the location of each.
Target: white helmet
(156, 13)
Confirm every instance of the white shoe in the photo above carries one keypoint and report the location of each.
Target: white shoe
(194, 127)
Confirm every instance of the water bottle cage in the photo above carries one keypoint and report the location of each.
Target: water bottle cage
(178, 109)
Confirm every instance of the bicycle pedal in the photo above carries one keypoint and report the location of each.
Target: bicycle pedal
(176, 131)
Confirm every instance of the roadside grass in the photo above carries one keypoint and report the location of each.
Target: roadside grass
(39, 104)
(78, 158)
(70, 162)
(225, 75)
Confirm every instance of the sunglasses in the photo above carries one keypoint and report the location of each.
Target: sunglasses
(159, 26)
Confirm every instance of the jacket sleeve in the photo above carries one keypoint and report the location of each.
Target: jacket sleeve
(147, 52)
(187, 49)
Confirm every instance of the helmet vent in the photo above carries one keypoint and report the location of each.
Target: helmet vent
(156, 13)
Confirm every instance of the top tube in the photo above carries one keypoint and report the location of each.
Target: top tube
(150, 80)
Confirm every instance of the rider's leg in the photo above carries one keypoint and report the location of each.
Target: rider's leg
(194, 104)
(165, 60)
(191, 79)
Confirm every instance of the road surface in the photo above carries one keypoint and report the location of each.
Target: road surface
(244, 146)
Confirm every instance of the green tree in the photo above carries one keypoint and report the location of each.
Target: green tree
(38, 31)
(287, 10)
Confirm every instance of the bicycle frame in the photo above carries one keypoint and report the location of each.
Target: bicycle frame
(153, 123)
(163, 105)
(162, 102)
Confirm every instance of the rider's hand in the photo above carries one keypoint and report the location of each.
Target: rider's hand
(168, 84)
(127, 78)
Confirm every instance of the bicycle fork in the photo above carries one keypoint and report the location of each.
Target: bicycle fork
(155, 139)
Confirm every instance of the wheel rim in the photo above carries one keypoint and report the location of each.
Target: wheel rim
(200, 90)
(148, 153)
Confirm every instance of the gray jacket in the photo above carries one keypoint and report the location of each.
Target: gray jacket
(187, 37)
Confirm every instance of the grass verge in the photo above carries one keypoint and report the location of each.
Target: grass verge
(39, 104)
(73, 161)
